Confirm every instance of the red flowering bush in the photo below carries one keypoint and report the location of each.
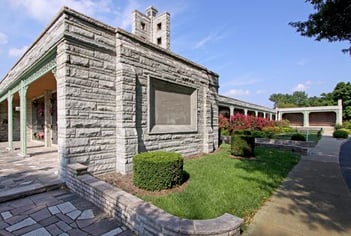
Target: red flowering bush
(244, 122)
(223, 122)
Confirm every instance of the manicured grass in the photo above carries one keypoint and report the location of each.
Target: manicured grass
(219, 183)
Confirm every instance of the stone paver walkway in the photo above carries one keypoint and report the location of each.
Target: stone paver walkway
(54, 213)
(313, 200)
(23, 176)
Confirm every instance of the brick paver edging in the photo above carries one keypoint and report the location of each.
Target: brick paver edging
(141, 217)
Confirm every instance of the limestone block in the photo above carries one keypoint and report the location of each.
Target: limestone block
(79, 31)
(78, 60)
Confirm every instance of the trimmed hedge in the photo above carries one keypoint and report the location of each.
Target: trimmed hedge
(155, 171)
(243, 145)
(298, 137)
(340, 134)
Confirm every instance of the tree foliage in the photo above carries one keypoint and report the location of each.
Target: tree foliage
(300, 99)
(331, 21)
(297, 99)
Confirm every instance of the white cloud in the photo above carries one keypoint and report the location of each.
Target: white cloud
(211, 37)
(203, 41)
(242, 80)
(3, 38)
(237, 92)
(123, 17)
(17, 52)
(260, 91)
(300, 88)
(43, 10)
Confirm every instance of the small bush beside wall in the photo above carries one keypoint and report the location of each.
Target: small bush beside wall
(298, 137)
(340, 134)
(243, 145)
(155, 171)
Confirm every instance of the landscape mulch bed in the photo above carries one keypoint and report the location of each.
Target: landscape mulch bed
(125, 182)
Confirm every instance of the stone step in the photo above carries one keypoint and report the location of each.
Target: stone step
(30, 189)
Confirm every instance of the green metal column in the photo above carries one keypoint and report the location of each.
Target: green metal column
(10, 120)
(23, 118)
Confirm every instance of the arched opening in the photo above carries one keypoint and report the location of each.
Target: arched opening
(42, 110)
(238, 110)
(225, 111)
(322, 118)
(251, 113)
(295, 119)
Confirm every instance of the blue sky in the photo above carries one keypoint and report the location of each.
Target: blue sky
(248, 43)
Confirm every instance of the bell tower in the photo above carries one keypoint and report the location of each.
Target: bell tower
(152, 27)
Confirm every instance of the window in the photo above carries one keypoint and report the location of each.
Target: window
(159, 41)
(172, 107)
(142, 25)
(159, 26)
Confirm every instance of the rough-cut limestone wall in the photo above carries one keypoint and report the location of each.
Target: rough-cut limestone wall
(135, 63)
(86, 93)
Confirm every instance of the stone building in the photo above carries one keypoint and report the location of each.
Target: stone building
(101, 94)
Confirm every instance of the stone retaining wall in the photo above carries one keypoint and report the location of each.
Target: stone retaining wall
(301, 147)
(141, 217)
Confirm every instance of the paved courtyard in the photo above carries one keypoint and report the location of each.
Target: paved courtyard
(22, 176)
(26, 208)
(56, 212)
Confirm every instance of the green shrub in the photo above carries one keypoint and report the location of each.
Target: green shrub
(340, 134)
(337, 126)
(258, 134)
(286, 129)
(347, 124)
(243, 145)
(298, 137)
(347, 130)
(224, 132)
(157, 170)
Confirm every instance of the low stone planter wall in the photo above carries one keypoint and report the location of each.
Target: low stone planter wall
(301, 147)
(141, 217)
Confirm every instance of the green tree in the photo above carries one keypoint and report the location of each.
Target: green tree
(300, 98)
(343, 91)
(297, 99)
(331, 21)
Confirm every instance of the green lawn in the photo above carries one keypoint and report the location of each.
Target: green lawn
(220, 184)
